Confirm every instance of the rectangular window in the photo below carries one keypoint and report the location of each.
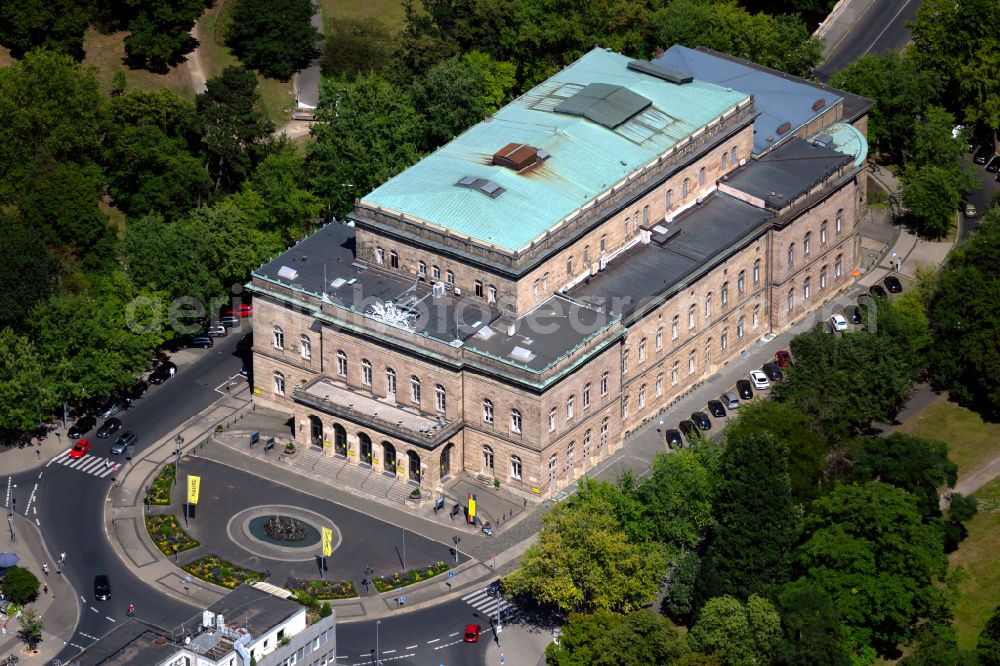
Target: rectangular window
(624, 407)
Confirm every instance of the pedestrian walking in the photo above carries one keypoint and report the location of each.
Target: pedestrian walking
(45, 588)
(62, 557)
(38, 453)
(45, 569)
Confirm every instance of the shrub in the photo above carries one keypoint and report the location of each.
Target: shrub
(326, 610)
(19, 585)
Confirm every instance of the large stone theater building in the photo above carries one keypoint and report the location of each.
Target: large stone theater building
(517, 301)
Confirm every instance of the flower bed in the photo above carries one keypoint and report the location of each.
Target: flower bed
(168, 535)
(322, 589)
(386, 583)
(216, 570)
(159, 491)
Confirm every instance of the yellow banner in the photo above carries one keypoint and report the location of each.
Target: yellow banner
(472, 507)
(194, 485)
(327, 542)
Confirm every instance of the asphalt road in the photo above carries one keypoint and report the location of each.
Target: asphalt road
(881, 28)
(980, 198)
(68, 503)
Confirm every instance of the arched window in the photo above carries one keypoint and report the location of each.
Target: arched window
(724, 340)
(305, 347)
(635, 222)
(569, 407)
(691, 362)
(492, 294)
(756, 272)
(708, 305)
(838, 266)
(488, 458)
(838, 222)
(807, 244)
(390, 381)
(674, 373)
(822, 278)
(553, 463)
(341, 364)
(674, 325)
(701, 177)
(684, 188)
(415, 389)
(479, 288)
(806, 284)
(421, 269)
(741, 283)
(366, 372)
(708, 352)
(625, 230)
(692, 313)
(534, 290)
(604, 384)
(625, 361)
(724, 293)
(822, 233)
(725, 160)
(604, 433)
(756, 316)
(569, 456)
(586, 446)
(393, 259)
(515, 421)
(670, 195)
(435, 273)
(740, 324)
(449, 277)
(603, 243)
(441, 398)
(659, 338)
(732, 156)
(586, 395)
(487, 410)
(642, 396)
(586, 256)
(279, 383)
(569, 266)
(515, 468)
(642, 350)
(545, 282)
(279, 338)
(379, 256)
(790, 301)
(624, 407)
(552, 420)
(791, 255)
(659, 385)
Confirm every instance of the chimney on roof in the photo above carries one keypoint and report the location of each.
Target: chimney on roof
(518, 156)
(511, 329)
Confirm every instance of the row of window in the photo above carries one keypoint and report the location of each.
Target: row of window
(838, 271)
(517, 465)
(481, 290)
(727, 159)
(838, 225)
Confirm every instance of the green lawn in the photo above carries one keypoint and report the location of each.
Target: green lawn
(389, 12)
(979, 593)
(971, 443)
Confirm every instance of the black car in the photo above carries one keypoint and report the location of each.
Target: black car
(689, 429)
(673, 438)
(81, 427)
(112, 407)
(163, 373)
(102, 587)
(203, 341)
(126, 440)
(877, 291)
(994, 165)
(853, 314)
(493, 589)
(137, 391)
(893, 284)
(984, 153)
(716, 408)
(744, 389)
(773, 372)
(229, 321)
(110, 427)
(245, 343)
(701, 420)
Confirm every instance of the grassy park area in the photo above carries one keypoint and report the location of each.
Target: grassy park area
(979, 591)
(971, 442)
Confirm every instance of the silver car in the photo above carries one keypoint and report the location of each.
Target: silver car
(126, 440)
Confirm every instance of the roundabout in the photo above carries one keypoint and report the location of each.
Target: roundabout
(281, 532)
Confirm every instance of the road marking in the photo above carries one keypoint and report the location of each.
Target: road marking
(93, 638)
(444, 645)
(388, 651)
(232, 381)
(453, 635)
(110, 619)
(887, 26)
(94, 609)
(37, 522)
(83, 600)
(410, 647)
(40, 474)
(57, 457)
(78, 647)
(433, 641)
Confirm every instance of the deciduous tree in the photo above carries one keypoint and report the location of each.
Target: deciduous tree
(915, 464)
(36, 24)
(988, 645)
(29, 265)
(811, 631)
(742, 634)
(358, 45)
(19, 585)
(160, 32)
(26, 397)
(275, 37)
(640, 638)
(61, 201)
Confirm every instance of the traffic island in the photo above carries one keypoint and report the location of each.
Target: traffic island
(168, 535)
(158, 493)
(218, 571)
(397, 580)
(321, 589)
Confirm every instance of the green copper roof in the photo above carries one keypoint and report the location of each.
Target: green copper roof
(847, 139)
(458, 187)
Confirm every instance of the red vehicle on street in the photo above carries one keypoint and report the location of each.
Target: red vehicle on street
(783, 358)
(471, 633)
(80, 449)
(241, 310)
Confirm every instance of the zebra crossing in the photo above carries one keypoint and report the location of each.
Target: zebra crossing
(486, 604)
(88, 464)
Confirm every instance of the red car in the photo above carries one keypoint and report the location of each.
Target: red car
(471, 633)
(783, 358)
(80, 449)
(241, 310)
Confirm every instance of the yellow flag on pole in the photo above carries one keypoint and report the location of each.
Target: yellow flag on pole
(194, 485)
(327, 542)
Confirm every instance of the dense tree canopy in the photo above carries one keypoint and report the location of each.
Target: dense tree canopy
(160, 31)
(27, 263)
(966, 322)
(25, 395)
(275, 37)
(916, 464)
(584, 561)
(358, 45)
(988, 645)
(742, 634)
(57, 25)
(602, 638)
(811, 631)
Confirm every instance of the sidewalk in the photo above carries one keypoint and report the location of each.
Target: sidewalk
(59, 619)
(844, 16)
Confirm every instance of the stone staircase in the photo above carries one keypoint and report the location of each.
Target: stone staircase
(339, 472)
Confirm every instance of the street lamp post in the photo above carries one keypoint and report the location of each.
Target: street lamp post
(456, 539)
(378, 653)
(499, 622)
(178, 440)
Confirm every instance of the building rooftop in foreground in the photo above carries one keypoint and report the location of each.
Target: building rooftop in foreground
(779, 97)
(508, 180)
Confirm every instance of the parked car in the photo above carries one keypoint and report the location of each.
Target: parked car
(245, 343)
(730, 400)
(970, 209)
(701, 420)
(110, 427)
(229, 321)
(759, 380)
(744, 389)
(893, 284)
(877, 291)
(241, 310)
(126, 440)
(838, 322)
(472, 633)
(689, 429)
(993, 165)
(202, 341)
(112, 407)
(984, 153)
(102, 587)
(673, 438)
(137, 391)
(773, 372)
(217, 331)
(716, 408)
(783, 358)
(164, 372)
(853, 314)
(82, 426)
(80, 449)
(493, 589)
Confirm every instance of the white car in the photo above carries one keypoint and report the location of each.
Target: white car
(838, 322)
(759, 380)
